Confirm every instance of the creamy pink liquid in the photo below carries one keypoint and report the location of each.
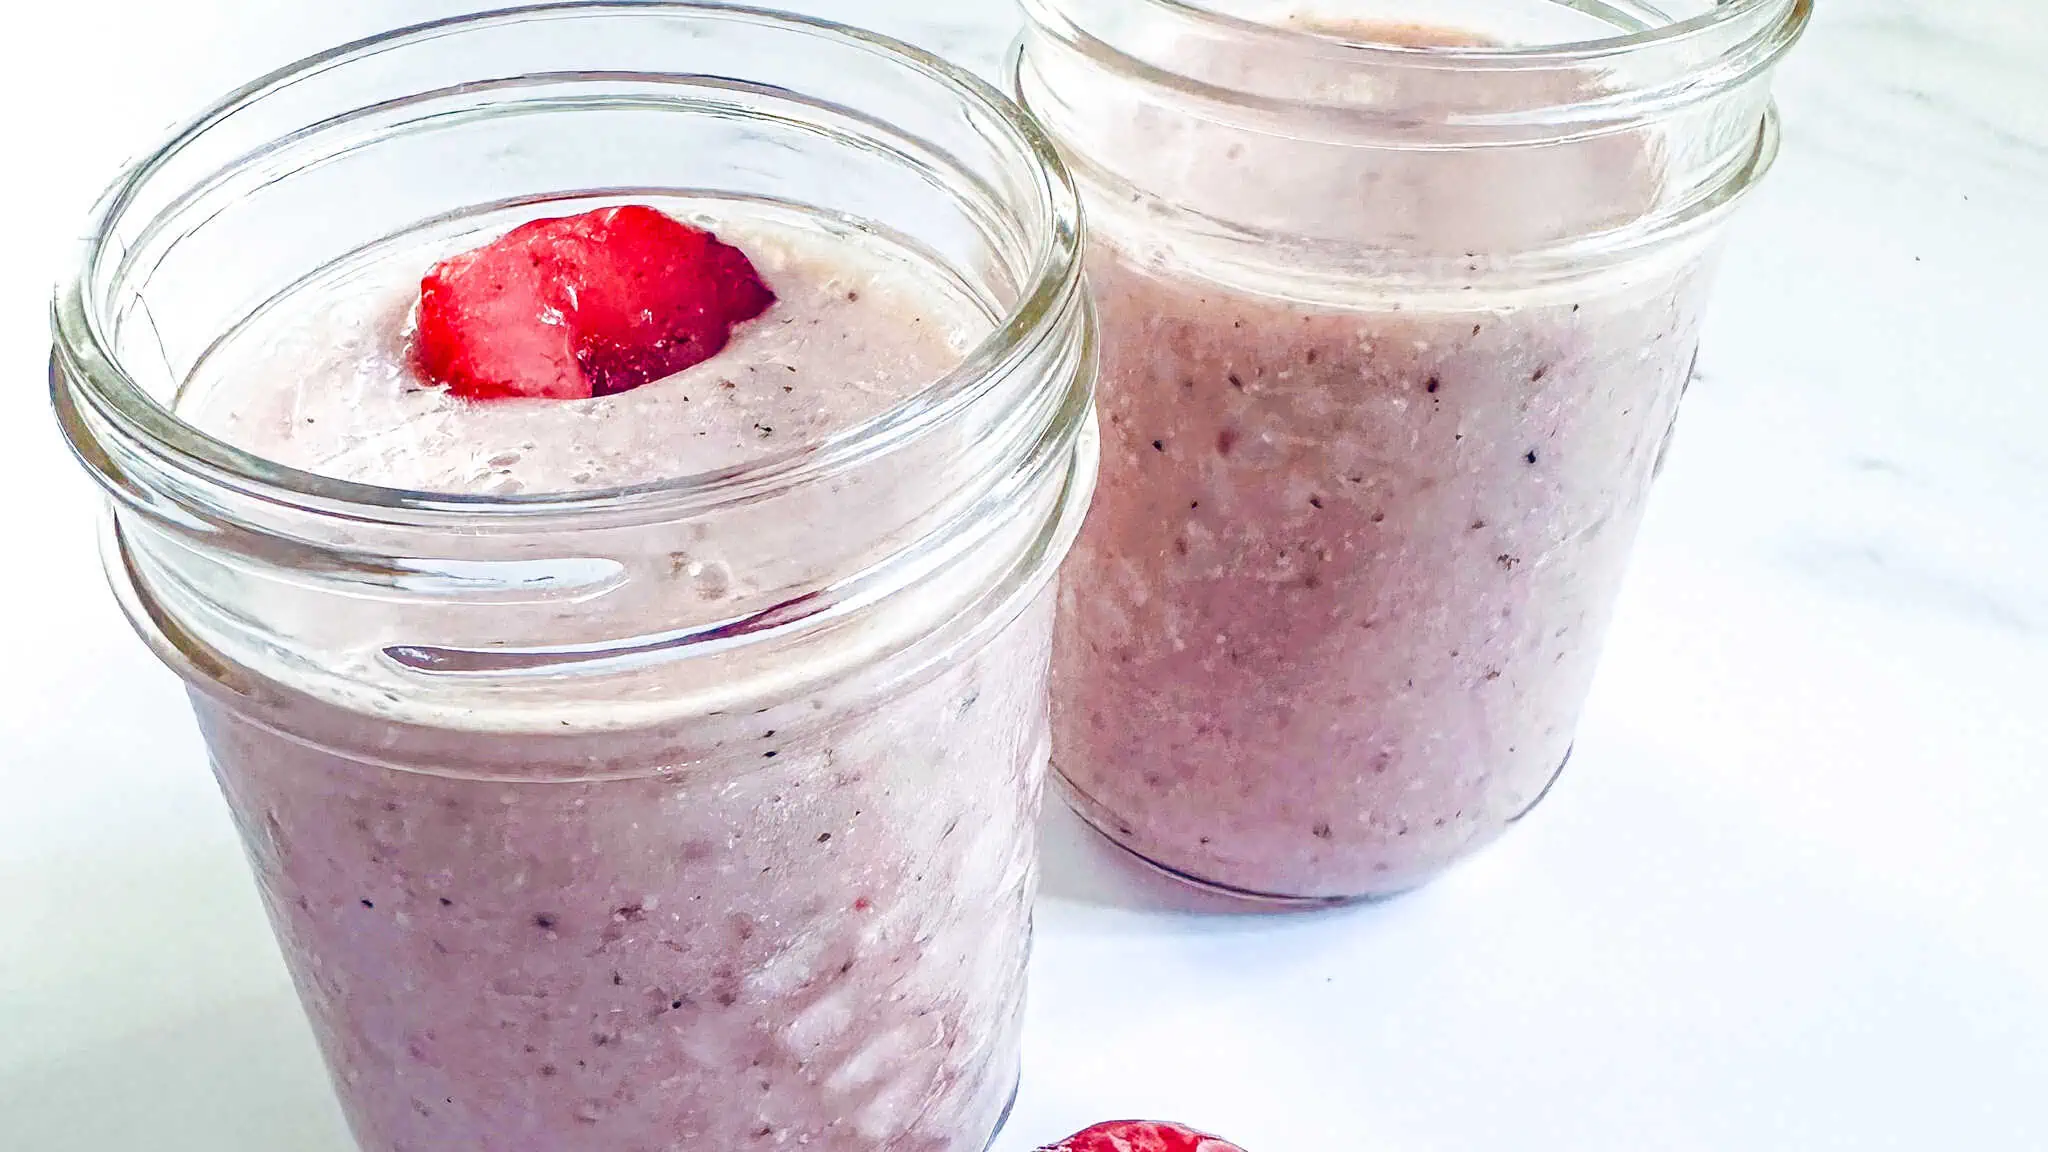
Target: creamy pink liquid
(797, 926)
(1339, 600)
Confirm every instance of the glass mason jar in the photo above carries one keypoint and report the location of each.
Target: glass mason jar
(1395, 320)
(691, 815)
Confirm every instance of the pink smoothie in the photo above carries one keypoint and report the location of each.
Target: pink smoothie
(1332, 618)
(568, 916)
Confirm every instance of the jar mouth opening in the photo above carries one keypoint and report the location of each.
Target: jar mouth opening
(1332, 81)
(1562, 53)
(87, 373)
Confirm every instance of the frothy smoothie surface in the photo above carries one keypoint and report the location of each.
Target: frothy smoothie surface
(335, 390)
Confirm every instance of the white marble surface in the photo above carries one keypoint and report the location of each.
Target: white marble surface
(1792, 895)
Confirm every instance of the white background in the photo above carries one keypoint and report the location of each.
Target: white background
(1792, 894)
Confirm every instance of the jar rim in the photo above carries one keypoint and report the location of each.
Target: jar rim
(1562, 53)
(86, 370)
(1647, 73)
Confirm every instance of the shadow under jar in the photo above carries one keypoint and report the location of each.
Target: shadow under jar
(692, 814)
(1395, 321)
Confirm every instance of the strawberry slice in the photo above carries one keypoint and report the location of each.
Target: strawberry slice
(581, 306)
(1141, 1136)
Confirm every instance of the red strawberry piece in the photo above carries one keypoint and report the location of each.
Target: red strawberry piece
(1141, 1136)
(582, 306)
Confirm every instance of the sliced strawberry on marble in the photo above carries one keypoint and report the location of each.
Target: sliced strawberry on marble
(1141, 1136)
(580, 306)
